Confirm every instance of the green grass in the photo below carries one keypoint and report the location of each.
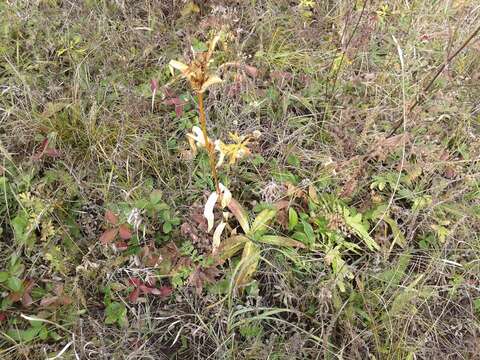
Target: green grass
(78, 138)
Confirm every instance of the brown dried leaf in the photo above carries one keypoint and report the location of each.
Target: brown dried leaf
(111, 218)
(108, 236)
(124, 232)
(200, 276)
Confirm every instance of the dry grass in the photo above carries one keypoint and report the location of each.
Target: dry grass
(328, 88)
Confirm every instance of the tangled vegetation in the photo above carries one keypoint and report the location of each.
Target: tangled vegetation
(239, 180)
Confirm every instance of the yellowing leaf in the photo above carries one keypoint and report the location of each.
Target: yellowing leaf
(281, 241)
(190, 8)
(262, 220)
(248, 264)
(240, 214)
(217, 234)
(231, 246)
(208, 211)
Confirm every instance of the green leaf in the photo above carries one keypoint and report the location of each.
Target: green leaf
(14, 284)
(355, 223)
(116, 312)
(308, 230)
(20, 225)
(167, 227)
(281, 241)
(262, 220)
(292, 218)
(4, 276)
(155, 196)
(24, 335)
(248, 264)
(199, 46)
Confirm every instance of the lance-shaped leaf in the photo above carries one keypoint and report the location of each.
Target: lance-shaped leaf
(262, 220)
(281, 241)
(240, 214)
(355, 223)
(217, 235)
(208, 211)
(248, 264)
(231, 246)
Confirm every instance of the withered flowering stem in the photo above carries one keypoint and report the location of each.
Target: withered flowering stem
(208, 145)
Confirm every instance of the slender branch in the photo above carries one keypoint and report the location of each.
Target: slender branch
(437, 74)
(208, 144)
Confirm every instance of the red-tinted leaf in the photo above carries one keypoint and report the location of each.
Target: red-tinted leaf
(281, 75)
(178, 110)
(26, 300)
(153, 291)
(251, 71)
(3, 316)
(48, 301)
(52, 152)
(124, 232)
(146, 289)
(111, 217)
(165, 291)
(64, 300)
(179, 104)
(108, 236)
(38, 155)
(135, 282)
(154, 85)
(133, 297)
(121, 245)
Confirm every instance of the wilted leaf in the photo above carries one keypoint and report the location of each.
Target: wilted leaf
(240, 214)
(124, 232)
(26, 297)
(248, 264)
(111, 218)
(121, 245)
(108, 236)
(211, 80)
(231, 246)
(179, 66)
(281, 241)
(200, 276)
(226, 195)
(251, 71)
(208, 211)
(217, 234)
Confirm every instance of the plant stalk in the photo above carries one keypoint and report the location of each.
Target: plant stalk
(208, 144)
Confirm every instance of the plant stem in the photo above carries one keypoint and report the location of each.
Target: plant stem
(208, 144)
